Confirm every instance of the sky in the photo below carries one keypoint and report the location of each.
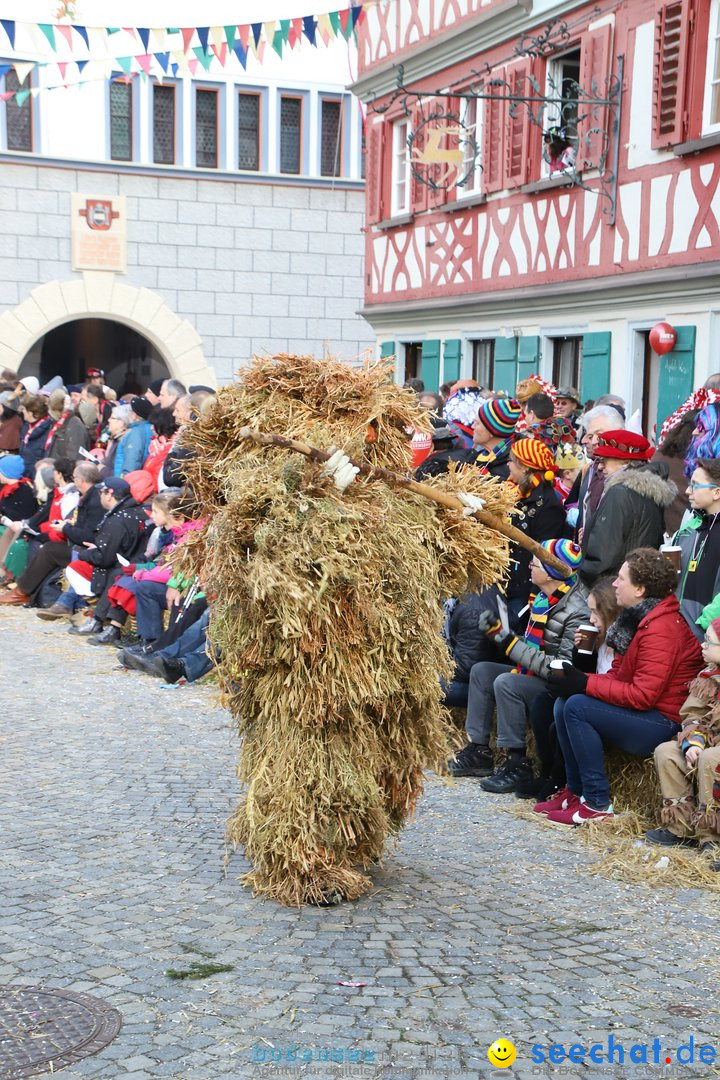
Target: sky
(165, 13)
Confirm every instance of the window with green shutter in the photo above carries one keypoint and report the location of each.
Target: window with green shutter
(528, 357)
(596, 353)
(452, 351)
(430, 365)
(677, 372)
(505, 367)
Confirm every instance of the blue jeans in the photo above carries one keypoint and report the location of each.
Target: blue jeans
(150, 603)
(190, 649)
(581, 724)
(71, 600)
(456, 694)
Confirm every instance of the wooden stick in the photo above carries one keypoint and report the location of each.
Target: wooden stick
(373, 472)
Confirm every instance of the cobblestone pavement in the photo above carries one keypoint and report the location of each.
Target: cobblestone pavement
(482, 925)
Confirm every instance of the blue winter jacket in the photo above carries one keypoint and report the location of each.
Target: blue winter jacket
(133, 448)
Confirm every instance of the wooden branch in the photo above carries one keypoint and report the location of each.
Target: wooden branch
(373, 472)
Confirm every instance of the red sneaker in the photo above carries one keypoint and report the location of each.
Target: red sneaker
(579, 814)
(561, 800)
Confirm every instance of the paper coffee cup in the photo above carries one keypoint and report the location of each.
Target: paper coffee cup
(588, 636)
(672, 553)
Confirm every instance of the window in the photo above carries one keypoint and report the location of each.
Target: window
(483, 362)
(164, 125)
(711, 112)
(400, 199)
(206, 129)
(249, 131)
(561, 117)
(290, 134)
(413, 360)
(567, 361)
(18, 118)
(121, 121)
(472, 121)
(330, 138)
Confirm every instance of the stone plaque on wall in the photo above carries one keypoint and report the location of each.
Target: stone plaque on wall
(99, 233)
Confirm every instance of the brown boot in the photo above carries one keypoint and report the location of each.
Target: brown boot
(14, 597)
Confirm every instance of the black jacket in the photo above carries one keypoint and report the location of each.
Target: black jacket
(543, 519)
(34, 449)
(19, 506)
(467, 644)
(631, 514)
(90, 513)
(439, 463)
(121, 532)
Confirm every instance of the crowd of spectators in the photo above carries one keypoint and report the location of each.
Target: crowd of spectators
(93, 508)
(622, 648)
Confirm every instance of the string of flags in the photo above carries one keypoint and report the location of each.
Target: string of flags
(163, 52)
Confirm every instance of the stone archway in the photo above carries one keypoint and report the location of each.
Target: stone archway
(102, 295)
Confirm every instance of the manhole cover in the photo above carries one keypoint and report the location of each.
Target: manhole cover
(42, 1031)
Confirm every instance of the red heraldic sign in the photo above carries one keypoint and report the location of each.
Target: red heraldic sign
(99, 233)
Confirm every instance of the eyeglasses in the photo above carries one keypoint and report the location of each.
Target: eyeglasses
(707, 641)
(696, 486)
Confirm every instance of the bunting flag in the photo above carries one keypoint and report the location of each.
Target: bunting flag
(156, 57)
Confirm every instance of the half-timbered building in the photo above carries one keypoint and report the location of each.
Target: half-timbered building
(522, 264)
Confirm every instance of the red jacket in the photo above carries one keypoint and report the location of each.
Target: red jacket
(663, 659)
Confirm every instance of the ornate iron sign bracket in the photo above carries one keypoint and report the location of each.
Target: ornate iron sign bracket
(579, 126)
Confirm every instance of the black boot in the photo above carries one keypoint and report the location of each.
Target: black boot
(539, 788)
(173, 670)
(515, 769)
(87, 626)
(473, 760)
(150, 664)
(110, 636)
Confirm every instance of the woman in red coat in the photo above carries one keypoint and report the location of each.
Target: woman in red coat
(635, 705)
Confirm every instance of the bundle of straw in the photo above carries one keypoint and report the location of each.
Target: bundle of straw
(326, 608)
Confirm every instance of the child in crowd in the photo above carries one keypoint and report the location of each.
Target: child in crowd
(692, 761)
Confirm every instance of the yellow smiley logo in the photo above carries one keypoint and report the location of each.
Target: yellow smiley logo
(501, 1054)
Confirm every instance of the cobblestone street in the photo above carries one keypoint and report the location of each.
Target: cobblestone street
(115, 794)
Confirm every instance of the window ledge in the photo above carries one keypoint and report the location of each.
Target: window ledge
(693, 146)
(549, 183)
(460, 204)
(394, 222)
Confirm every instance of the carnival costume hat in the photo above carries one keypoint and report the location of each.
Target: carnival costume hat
(568, 456)
(553, 432)
(567, 552)
(500, 417)
(570, 394)
(462, 406)
(535, 455)
(623, 445)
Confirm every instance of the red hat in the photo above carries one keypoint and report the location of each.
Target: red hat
(623, 446)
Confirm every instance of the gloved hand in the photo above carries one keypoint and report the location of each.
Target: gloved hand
(340, 469)
(489, 624)
(472, 503)
(568, 680)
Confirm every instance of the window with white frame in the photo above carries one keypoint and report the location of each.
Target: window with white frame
(330, 137)
(121, 120)
(249, 131)
(163, 100)
(291, 134)
(483, 362)
(711, 111)
(400, 197)
(567, 361)
(206, 128)
(472, 122)
(561, 115)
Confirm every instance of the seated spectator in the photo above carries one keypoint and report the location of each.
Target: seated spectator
(121, 532)
(187, 410)
(467, 644)
(187, 658)
(692, 759)
(17, 503)
(492, 434)
(117, 427)
(557, 608)
(164, 428)
(602, 605)
(631, 512)
(73, 529)
(134, 445)
(699, 540)
(190, 603)
(36, 424)
(672, 452)
(636, 705)
(68, 433)
(23, 539)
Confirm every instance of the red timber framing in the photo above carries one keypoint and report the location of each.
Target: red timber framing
(522, 228)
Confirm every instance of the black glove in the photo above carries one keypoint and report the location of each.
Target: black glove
(568, 680)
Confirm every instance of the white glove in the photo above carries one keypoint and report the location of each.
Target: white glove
(472, 503)
(340, 468)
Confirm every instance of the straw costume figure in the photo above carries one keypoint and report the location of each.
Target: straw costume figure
(327, 609)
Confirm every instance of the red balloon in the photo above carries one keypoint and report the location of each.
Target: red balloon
(663, 338)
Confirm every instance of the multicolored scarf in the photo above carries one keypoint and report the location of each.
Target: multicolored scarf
(492, 455)
(540, 607)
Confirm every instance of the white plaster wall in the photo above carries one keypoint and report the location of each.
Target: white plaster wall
(640, 151)
(252, 267)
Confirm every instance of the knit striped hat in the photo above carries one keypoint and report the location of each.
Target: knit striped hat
(535, 455)
(567, 552)
(500, 416)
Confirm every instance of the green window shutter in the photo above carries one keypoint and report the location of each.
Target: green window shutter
(505, 364)
(430, 365)
(451, 360)
(387, 348)
(595, 378)
(528, 358)
(677, 371)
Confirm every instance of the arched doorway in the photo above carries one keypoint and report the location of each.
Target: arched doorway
(129, 360)
(96, 298)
